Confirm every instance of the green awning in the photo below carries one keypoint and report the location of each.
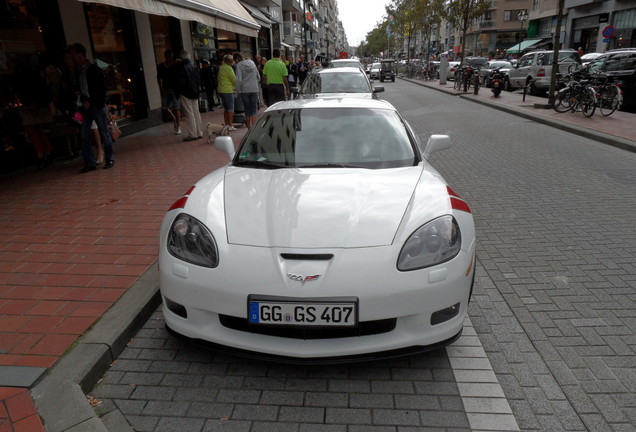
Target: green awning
(521, 46)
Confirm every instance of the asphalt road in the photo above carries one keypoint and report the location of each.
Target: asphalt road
(553, 304)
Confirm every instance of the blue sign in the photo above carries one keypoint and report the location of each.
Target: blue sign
(608, 31)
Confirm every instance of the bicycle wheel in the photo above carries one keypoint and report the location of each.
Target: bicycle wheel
(458, 82)
(563, 101)
(610, 100)
(588, 102)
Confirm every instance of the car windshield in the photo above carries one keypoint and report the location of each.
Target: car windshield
(327, 137)
(336, 83)
(387, 66)
(500, 64)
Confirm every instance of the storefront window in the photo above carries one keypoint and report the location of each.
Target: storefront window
(160, 28)
(203, 42)
(109, 51)
(227, 41)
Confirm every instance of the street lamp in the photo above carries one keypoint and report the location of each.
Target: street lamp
(522, 16)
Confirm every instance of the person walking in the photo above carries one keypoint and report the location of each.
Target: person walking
(167, 81)
(208, 79)
(92, 88)
(303, 69)
(188, 85)
(247, 84)
(227, 84)
(275, 72)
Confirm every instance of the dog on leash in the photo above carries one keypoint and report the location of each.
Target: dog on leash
(216, 130)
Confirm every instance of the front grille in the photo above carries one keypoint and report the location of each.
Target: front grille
(365, 328)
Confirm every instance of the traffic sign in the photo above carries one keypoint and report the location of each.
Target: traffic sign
(608, 31)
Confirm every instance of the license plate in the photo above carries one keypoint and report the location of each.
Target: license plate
(496, 84)
(303, 313)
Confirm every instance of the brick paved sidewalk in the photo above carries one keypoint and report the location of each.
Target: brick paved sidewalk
(72, 244)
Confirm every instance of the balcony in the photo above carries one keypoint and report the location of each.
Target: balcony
(292, 32)
(486, 24)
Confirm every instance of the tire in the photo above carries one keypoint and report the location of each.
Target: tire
(588, 104)
(457, 84)
(507, 86)
(562, 101)
(610, 100)
(532, 89)
(393, 79)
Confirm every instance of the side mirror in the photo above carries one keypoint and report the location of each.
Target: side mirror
(378, 89)
(225, 144)
(436, 143)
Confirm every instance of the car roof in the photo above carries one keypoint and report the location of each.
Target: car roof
(340, 70)
(349, 102)
(345, 60)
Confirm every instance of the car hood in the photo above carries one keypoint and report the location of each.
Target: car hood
(320, 208)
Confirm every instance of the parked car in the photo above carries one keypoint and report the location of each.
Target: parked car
(341, 81)
(620, 64)
(328, 237)
(535, 68)
(452, 67)
(338, 63)
(587, 58)
(473, 62)
(485, 73)
(387, 70)
(375, 71)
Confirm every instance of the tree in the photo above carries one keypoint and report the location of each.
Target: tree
(462, 13)
(412, 16)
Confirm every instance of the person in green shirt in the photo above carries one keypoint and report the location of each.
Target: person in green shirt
(275, 73)
(225, 90)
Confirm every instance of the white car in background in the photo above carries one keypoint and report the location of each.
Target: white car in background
(328, 237)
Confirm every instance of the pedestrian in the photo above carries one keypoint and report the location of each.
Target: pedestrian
(226, 87)
(208, 79)
(580, 51)
(188, 85)
(92, 88)
(292, 71)
(247, 84)
(276, 75)
(303, 69)
(260, 66)
(167, 81)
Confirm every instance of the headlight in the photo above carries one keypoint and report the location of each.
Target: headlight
(433, 243)
(191, 241)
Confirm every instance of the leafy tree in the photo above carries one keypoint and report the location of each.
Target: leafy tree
(462, 13)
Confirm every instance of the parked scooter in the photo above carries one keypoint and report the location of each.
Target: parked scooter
(497, 82)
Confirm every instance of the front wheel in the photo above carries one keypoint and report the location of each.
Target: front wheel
(588, 103)
(610, 100)
(563, 101)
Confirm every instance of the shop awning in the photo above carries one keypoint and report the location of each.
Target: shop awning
(521, 46)
(257, 15)
(222, 14)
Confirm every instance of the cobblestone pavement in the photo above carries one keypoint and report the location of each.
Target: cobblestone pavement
(556, 245)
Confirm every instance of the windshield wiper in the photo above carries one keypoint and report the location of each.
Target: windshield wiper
(260, 164)
(329, 165)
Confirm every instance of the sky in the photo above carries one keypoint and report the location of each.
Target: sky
(359, 17)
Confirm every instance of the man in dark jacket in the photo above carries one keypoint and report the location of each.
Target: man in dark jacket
(188, 85)
(92, 87)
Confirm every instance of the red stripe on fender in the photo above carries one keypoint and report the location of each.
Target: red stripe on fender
(451, 192)
(458, 204)
(181, 202)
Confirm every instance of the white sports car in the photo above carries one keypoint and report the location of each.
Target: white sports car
(327, 238)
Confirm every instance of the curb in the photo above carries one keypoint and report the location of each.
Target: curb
(614, 141)
(63, 389)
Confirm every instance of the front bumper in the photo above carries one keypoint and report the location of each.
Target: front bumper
(206, 297)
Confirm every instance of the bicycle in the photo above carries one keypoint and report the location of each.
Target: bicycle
(609, 96)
